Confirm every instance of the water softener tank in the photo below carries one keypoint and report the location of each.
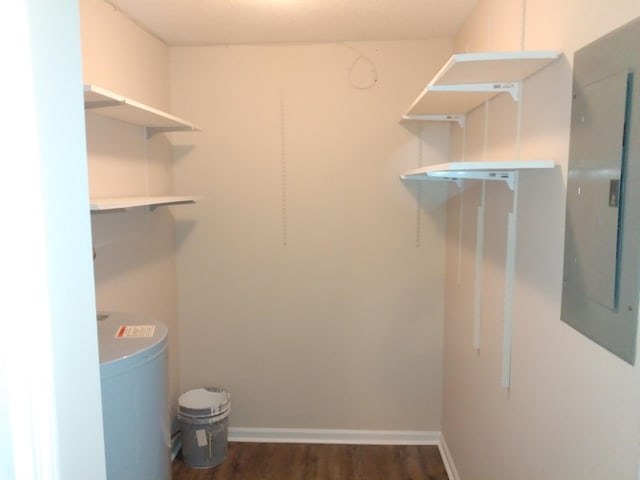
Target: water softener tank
(135, 408)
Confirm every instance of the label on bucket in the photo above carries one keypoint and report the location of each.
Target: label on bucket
(135, 331)
(201, 438)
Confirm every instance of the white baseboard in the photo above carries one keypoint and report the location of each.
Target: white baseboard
(361, 437)
(354, 437)
(452, 473)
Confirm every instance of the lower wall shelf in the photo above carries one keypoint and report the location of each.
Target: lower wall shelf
(110, 204)
(458, 171)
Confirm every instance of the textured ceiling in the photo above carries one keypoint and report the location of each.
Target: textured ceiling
(202, 22)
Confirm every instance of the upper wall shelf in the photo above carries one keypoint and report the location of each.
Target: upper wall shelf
(469, 79)
(108, 104)
(505, 171)
(110, 204)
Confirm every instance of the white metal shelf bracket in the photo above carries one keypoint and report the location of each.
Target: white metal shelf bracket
(514, 91)
(511, 178)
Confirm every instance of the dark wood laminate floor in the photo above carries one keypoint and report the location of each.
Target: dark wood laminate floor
(285, 461)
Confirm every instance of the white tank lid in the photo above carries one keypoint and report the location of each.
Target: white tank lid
(127, 336)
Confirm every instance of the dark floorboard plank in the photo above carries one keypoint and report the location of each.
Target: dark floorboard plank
(287, 461)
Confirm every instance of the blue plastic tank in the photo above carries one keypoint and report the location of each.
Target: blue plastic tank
(135, 406)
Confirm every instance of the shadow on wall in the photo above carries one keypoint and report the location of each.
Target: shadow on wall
(539, 224)
(126, 241)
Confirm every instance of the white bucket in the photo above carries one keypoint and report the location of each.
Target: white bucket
(203, 414)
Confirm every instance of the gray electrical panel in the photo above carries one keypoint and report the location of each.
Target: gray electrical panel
(601, 286)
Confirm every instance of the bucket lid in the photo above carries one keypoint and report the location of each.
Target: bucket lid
(204, 402)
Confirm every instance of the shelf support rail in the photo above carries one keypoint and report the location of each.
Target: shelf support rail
(510, 270)
(478, 287)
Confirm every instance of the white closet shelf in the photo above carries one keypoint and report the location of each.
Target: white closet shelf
(458, 171)
(106, 204)
(108, 104)
(469, 79)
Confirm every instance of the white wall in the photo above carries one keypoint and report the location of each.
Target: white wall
(572, 409)
(135, 264)
(49, 375)
(119, 56)
(310, 277)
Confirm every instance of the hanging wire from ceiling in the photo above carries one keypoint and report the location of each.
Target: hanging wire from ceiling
(363, 73)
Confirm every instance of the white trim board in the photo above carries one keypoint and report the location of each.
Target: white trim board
(348, 437)
(356, 437)
(447, 459)
(352, 437)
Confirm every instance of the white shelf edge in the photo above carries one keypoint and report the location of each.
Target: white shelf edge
(107, 204)
(491, 89)
(540, 58)
(109, 104)
(459, 119)
(458, 171)
(485, 73)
